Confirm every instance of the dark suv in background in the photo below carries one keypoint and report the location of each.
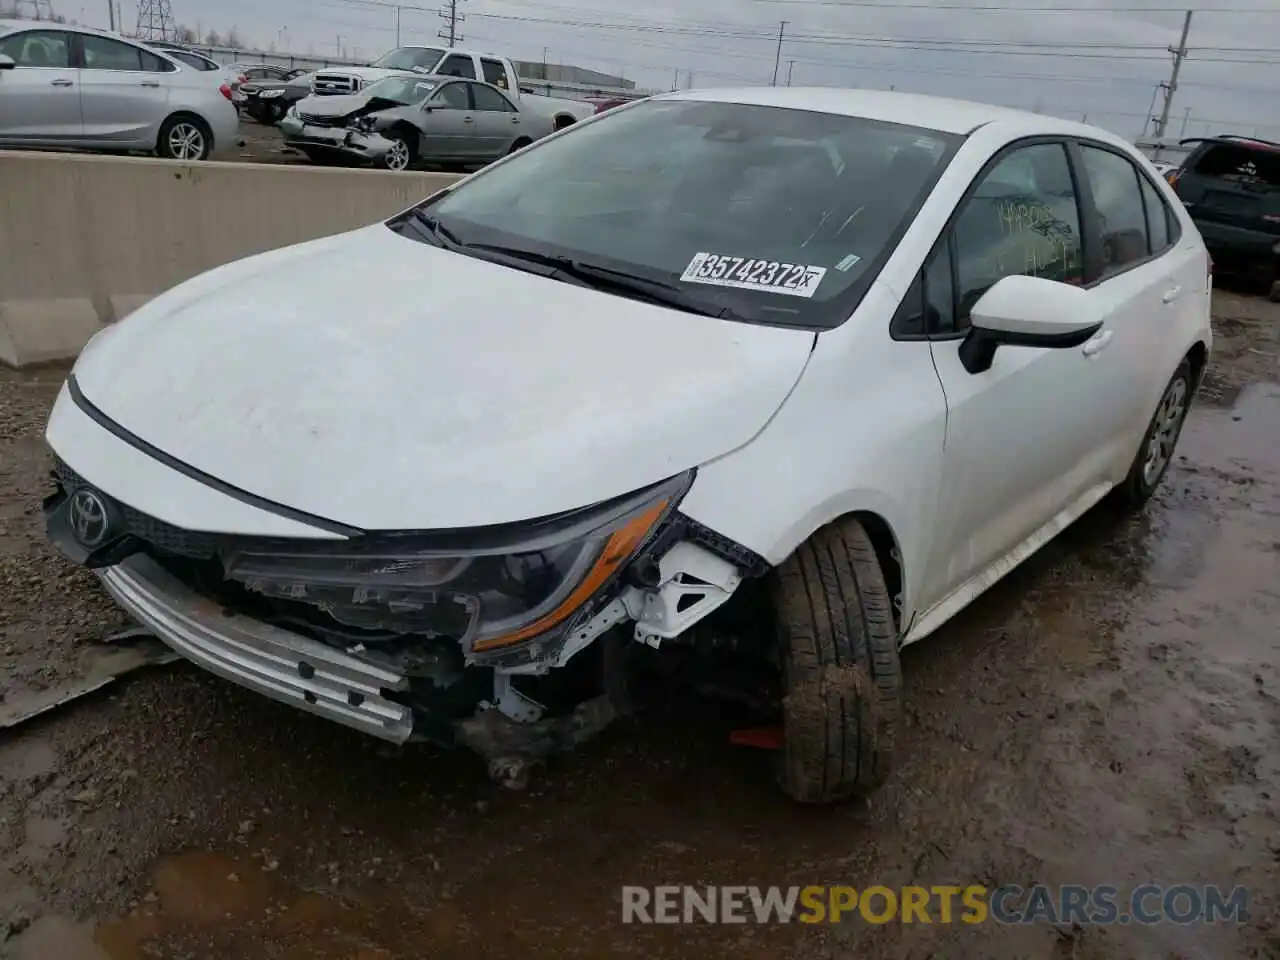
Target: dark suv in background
(1231, 187)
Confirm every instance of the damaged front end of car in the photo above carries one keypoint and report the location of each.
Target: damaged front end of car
(506, 640)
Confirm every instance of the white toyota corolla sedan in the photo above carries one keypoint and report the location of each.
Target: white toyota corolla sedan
(790, 373)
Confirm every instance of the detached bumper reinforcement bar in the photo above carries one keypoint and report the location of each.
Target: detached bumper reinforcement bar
(274, 662)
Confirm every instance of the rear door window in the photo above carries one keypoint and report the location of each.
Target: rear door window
(494, 72)
(102, 53)
(486, 98)
(1117, 195)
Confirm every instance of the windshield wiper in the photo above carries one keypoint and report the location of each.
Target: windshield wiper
(657, 292)
(436, 230)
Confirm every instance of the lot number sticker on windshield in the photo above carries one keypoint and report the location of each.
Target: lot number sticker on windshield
(746, 273)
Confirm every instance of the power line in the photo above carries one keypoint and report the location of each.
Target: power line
(1002, 8)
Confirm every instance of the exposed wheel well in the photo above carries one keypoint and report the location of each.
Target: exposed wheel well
(520, 144)
(889, 556)
(563, 120)
(193, 118)
(1198, 357)
(408, 130)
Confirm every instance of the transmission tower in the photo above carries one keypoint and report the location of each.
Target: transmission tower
(33, 9)
(155, 20)
(452, 18)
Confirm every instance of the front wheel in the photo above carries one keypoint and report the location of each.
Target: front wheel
(402, 155)
(1156, 452)
(184, 138)
(842, 681)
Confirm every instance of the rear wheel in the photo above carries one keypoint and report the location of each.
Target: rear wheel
(1158, 443)
(184, 138)
(842, 681)
(520, 144)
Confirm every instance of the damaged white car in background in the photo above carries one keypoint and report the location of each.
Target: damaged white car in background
(774, 381)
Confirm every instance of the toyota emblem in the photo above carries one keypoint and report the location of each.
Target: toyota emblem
(87, 515)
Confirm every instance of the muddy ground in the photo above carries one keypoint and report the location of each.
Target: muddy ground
(1108, 714)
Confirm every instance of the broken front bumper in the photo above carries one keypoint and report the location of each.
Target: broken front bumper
(366, 147)
(274, 662)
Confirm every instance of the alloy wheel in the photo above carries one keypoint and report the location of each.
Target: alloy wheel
(398, 156)
(186, 141)
(1168, 421)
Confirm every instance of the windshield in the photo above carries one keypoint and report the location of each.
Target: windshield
(767, 214)
(407, 58)
(404, 90)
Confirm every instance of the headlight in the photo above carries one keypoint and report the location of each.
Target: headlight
(364, 124)
(486, 590)
(266, 94)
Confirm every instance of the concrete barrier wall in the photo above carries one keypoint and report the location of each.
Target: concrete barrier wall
(85, 239)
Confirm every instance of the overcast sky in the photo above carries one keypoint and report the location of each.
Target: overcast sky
(1090, 59)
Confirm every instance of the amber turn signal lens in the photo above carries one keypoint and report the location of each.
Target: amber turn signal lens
(619, 548)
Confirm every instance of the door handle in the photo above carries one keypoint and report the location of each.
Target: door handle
(515, 119)
(62, 83)
(1171, 295)
(468, 119)
(1099, 343)
(150, 83)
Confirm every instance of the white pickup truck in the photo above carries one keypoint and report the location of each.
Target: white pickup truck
(451, 61)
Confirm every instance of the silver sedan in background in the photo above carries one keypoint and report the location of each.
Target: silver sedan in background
(402, 122)
(63, 86)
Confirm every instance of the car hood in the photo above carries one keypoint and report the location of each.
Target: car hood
(366, 74)
(331, 106)
(382, 383)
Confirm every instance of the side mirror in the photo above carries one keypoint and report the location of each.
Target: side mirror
(6, 62)
(1023, 311)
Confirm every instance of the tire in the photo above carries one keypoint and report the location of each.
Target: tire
(184, 138)
(1274, 293)
(403, 155)
(519, 145)
(842, 680)
(1155, 453)
(272, 114)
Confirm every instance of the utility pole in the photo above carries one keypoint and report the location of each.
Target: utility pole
(790, 66)
(1172, 86)
(397, 26)
(1186, 115)
(450, 15)
(111, 14)
(1151, 111)
(777, 58)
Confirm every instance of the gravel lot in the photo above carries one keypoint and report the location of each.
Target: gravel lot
(1108, 714)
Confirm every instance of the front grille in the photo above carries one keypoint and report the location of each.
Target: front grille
(315, 121)
(329, 84)
(158, 534)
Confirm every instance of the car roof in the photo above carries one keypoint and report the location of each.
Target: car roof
(935, 113)
(1236, 140)
(11, 25)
